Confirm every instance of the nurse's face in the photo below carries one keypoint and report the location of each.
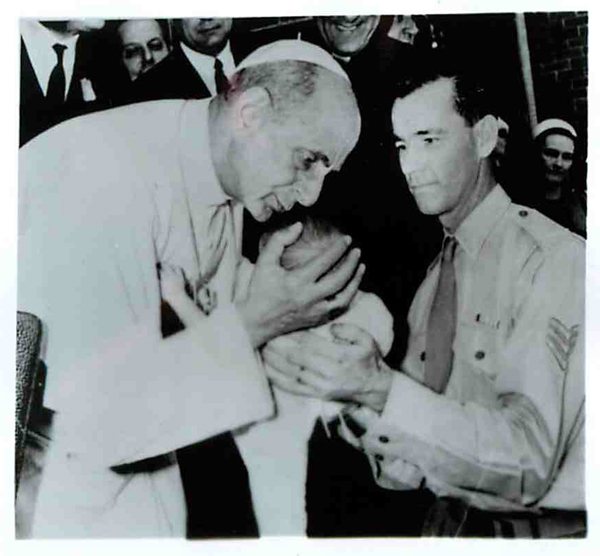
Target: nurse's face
(557, 157)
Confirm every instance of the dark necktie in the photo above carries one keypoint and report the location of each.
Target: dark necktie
(57, 82)
(441, 326)
(220, 78)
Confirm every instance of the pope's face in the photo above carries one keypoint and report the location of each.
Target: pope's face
(347, 35)
(208, 36)
(285, 162)
(557, 157)
(437, 151)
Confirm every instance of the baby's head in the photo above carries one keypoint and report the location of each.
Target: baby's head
(317, 234)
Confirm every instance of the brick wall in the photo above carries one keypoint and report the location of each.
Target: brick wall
(558, 43)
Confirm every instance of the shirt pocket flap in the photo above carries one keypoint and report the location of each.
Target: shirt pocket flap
(476, 345)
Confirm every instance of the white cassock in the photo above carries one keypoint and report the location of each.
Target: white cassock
(103, 199)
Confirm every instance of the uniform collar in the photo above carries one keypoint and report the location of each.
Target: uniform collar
(197, 165)
(476, 228)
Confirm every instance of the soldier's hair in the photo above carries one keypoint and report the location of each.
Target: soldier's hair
(472, 99)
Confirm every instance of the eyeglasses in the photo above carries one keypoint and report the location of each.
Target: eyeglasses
(138, 51)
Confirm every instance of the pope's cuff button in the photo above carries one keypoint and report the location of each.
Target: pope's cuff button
(422, 356)
(378, 457)
(479, 355)
(523, 213)
(384, 439)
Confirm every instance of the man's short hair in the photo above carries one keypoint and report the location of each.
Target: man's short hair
(290, 83)
(316, 229)
(316, 232)
(112, 37)
(472, 100)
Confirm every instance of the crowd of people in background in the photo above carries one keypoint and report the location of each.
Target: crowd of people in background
(108, 63)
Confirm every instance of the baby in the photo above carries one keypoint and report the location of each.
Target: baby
(275, 451)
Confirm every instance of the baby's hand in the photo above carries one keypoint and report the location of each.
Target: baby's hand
(172, 283)
(173, 287)
(206, 299)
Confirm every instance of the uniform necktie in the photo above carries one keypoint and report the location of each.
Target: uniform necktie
(441, 326)
(57, 81)
(221, 80)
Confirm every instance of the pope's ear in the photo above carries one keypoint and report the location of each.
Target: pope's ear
(486, 135)
(253, 108)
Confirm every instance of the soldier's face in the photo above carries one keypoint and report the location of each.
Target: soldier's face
(437, 151)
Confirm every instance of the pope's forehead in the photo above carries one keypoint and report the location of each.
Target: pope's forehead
(334, 120)
(333, 141)
(333, 92)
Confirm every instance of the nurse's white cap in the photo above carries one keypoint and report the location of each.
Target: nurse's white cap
(554, 123)
(299, 50)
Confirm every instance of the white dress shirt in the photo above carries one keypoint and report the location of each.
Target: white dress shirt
(39, 41)
(205, 65)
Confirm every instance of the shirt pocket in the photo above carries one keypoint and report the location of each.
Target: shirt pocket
(476, 347)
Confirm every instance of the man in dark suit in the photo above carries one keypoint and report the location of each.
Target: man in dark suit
(59, 78)
(202, 59)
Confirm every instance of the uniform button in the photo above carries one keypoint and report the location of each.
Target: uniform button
(422, 356)
(479, 355)
(378, 457)
(384, 439)
(523, 213)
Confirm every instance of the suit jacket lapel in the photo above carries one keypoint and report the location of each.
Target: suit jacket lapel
(186, 72)
(31, 91)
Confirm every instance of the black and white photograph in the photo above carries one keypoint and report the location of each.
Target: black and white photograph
(316, 276)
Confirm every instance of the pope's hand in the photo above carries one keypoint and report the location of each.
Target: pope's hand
(281, 301)
(349, 368)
